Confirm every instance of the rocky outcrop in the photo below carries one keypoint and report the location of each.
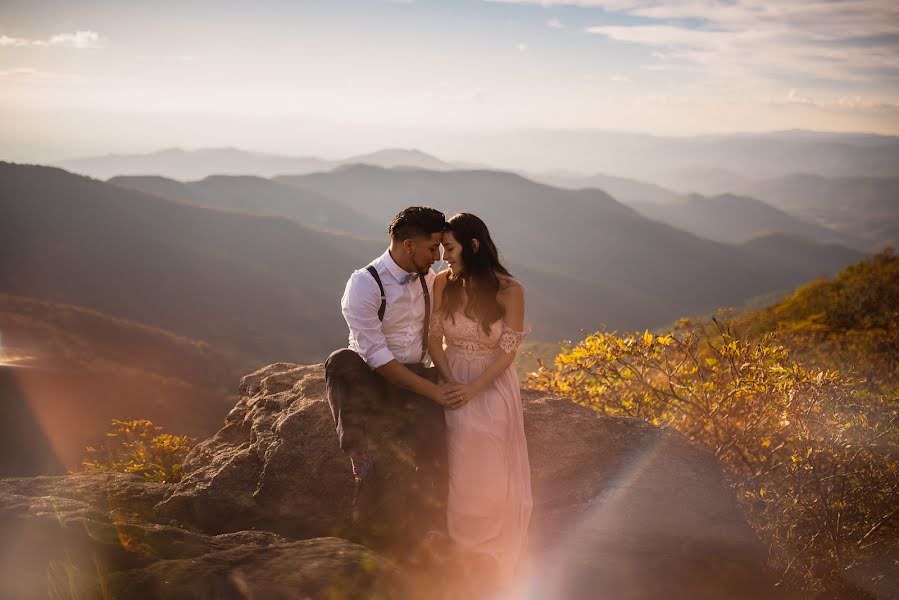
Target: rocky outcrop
(275, 464)
(96, 536)
(622, 509)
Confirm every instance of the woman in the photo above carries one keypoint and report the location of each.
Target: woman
(479, 312)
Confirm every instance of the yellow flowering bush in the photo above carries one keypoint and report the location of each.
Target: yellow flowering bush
(141, 448)
(811, 445)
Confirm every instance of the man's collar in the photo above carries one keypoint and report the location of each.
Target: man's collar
(397, 271)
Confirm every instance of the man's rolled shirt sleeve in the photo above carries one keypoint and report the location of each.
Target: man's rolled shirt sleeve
(360, 304)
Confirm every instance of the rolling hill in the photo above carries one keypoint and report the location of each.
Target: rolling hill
(863, 207)
(84, 368)
(731, 218)
(263, 288)
(648, 271)
(266, 288)
(256, 195)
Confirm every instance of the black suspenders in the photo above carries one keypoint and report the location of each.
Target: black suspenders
(374, 273)
(424, 288)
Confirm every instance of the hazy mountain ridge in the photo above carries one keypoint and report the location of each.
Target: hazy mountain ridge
(731, 218)
(585, 257)
(860, 212)
(252, 285)
(256, 195)
(866, 208)
(192, 165)
(585, 235)
(624, 189)
(674, 162)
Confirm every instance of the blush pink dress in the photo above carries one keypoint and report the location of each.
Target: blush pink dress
(489, 503)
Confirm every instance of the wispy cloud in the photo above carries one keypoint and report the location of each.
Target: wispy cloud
(76, 39)
(555, 23)
(28, 74)
(849, 40)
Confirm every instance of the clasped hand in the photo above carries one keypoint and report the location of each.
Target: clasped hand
(454, 395)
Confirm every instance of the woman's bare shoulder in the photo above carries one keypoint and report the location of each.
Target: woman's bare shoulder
(507, 282)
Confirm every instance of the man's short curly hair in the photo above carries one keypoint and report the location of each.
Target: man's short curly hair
(416, 221)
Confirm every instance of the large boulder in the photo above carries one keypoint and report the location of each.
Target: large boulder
(620, 506)
(627, 510)
(274, 465)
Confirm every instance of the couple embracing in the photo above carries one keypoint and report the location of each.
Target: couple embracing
(458, 422)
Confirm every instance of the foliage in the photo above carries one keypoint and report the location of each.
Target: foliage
(811, 446)
(140, 447)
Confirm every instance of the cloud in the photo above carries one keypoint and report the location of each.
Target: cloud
(555, 23)
(81, 39)
(794, 97)
(847, 41)
(28, 74)
(843, 103)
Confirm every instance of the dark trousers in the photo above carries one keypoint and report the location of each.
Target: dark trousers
(404, 433)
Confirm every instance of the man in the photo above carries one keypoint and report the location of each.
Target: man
(386, 403)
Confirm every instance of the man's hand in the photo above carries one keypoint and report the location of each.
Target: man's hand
(449, 395)
(467, 392)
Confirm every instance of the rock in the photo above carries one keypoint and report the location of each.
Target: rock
(92, 536)
(275, 464)
(628, 510)
(622, 510)
(620, 505)
(326, 568)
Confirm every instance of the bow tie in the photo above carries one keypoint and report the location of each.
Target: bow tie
(409, 277)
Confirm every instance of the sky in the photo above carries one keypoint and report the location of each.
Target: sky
(337, 77)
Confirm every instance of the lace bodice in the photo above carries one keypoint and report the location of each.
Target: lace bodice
(467, 337)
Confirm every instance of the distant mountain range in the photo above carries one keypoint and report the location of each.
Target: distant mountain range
(621, 263)
(710, 164)
(685, 163)
(256, 195)
(730, 218)
(790, 170)
(263, 288)
(187, 165)
(860, 212)
(266, 287)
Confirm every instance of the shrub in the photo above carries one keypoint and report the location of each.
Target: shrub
(140, 447)
(801, 408)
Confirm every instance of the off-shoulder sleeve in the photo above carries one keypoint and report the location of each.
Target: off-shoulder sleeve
(510, 339)
(435, 328)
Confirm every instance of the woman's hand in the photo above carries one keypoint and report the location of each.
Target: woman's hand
(466, 393)
(448, 395)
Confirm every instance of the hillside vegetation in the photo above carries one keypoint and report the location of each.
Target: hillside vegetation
(798, 400)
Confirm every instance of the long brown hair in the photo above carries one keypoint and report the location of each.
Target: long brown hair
(480, 273)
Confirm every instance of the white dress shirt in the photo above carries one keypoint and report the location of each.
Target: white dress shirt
(399, 335)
